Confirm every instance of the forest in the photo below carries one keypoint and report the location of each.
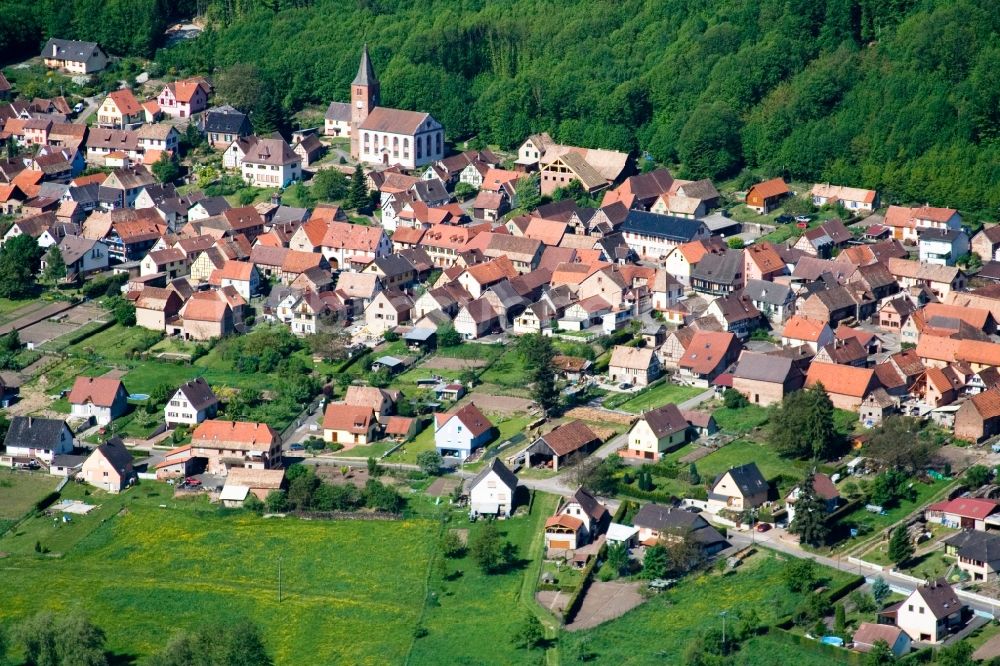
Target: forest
(899, 95)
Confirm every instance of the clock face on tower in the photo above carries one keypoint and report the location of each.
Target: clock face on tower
(358, 103)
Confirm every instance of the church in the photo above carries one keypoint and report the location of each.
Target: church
(380, 135)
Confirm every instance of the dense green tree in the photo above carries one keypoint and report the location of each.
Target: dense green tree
(977, 476)
(19, 261)
(880, 590)
(897, 443)
(276, 501)
(357, 195)
(239, 85)
(617, 558)
(382, 497)
(447, 336)
(900, 545)
(958, 653)
(430, 462)
(733, 399)
(891, 486)
(235, 643)
(538, 353)
(810, 521)
(166, 169)
(55, 265)
(656, 562)
(880, 654)
(491, 552)
(529, 633)
(709, 142)
(839, 620)
(330, 185)
(800, 575)
(802, 426)
(528, 194)
(65, 640)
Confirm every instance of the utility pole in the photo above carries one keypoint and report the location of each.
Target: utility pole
(279, 580)
(723, 614)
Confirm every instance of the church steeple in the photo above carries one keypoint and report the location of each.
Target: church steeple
(364, 98)
(366, 73)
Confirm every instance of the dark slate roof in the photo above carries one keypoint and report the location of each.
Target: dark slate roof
(226, 120)
(762, 291)
(589, 504)
(430, 190)
(720, 268)
(338, 111)
(940, 598)
(214, 205)
(505, 474)
(665, 420)
(393, 265)
(115, 452)
(976, 545)
(662, 518)
(763, 367)
(945, 235)
(746, 477)
(198, 393)
(69, 49)
(33, 432)
(677, 229)
(366, 73)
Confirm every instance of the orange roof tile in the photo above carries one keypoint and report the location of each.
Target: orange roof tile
(100, 391)
(125, 101)
(770, 188)
(239, 435)
(801, 328)
(840, 379)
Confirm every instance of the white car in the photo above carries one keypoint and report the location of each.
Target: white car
(78, 108)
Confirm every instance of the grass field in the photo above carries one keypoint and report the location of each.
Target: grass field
(741, 452)
(659, 395)
(352, 590)
(470, 620)
(20, 490)
(860, 516)
(115, 343)
(657, 631)
(739, 421)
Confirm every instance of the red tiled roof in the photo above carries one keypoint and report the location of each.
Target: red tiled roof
(840, 379)
(100, 391)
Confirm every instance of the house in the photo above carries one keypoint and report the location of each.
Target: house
(766, 379)
(821, 241)
(718, 273)
(986, 243)
(382, 402)
(737, 489)
(337, 119)
(192, 402)
(762, 262)
(120, 110)
(240, 275)
(400, 428)
(906, 223)
(803, 331)
(308, 147)
(492, 491)
(853, 199)
(381, 135)
(977, 553)
(942, 246)
(846, 351)
(657, 431)
(664, 524)
(387, 310)
(242, 482)
(577, 521)
(765, 197)
(222, 125)
(169, 262)
(344, 243)
(735, 314)
(572, 438)
(966, 513)
(652, 236)
(708, 354)
(633, 366)
(776, 302)
(271, 162)
(73, 56)
(206, 316)
(183, 99)
(869, 633)
(32, 438)
(102, 399)
(476, 319)
(979, 416)
(109, 467)
(825, 490)
(838, 303)
(82, 256)
(462, 430)
(929, 614)
(846, 385)
(230, 444)
(349, 425)
(877, 405)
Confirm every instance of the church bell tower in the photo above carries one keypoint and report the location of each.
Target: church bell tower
(364, 98)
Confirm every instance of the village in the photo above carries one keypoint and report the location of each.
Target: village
(628, 397)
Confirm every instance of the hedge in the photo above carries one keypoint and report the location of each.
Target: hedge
(46, 502)
(840, 592)
(822, 649)
(85, 333)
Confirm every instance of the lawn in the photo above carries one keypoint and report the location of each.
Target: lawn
(509, 370)
(658, 631)
(775, 648)
(741, 452)
(650, 398)
(471, 350)
(117, 343)
(876, 522)
(177, 567)
(470, 619)
(740, 421)
(20, 490)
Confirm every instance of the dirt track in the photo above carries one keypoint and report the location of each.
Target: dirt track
(442, 363)
(605, 601)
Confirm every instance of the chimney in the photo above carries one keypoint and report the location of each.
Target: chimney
(55, 50)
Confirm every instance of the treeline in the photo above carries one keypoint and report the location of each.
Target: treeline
(900, 95)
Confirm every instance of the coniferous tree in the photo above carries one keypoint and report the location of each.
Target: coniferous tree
(900, 545)
(810, 515)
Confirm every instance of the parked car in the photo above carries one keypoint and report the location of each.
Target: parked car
(784, 219)
(763, 527)
(193, 482)
(78, 107)
(803, 218)
(296, 447)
